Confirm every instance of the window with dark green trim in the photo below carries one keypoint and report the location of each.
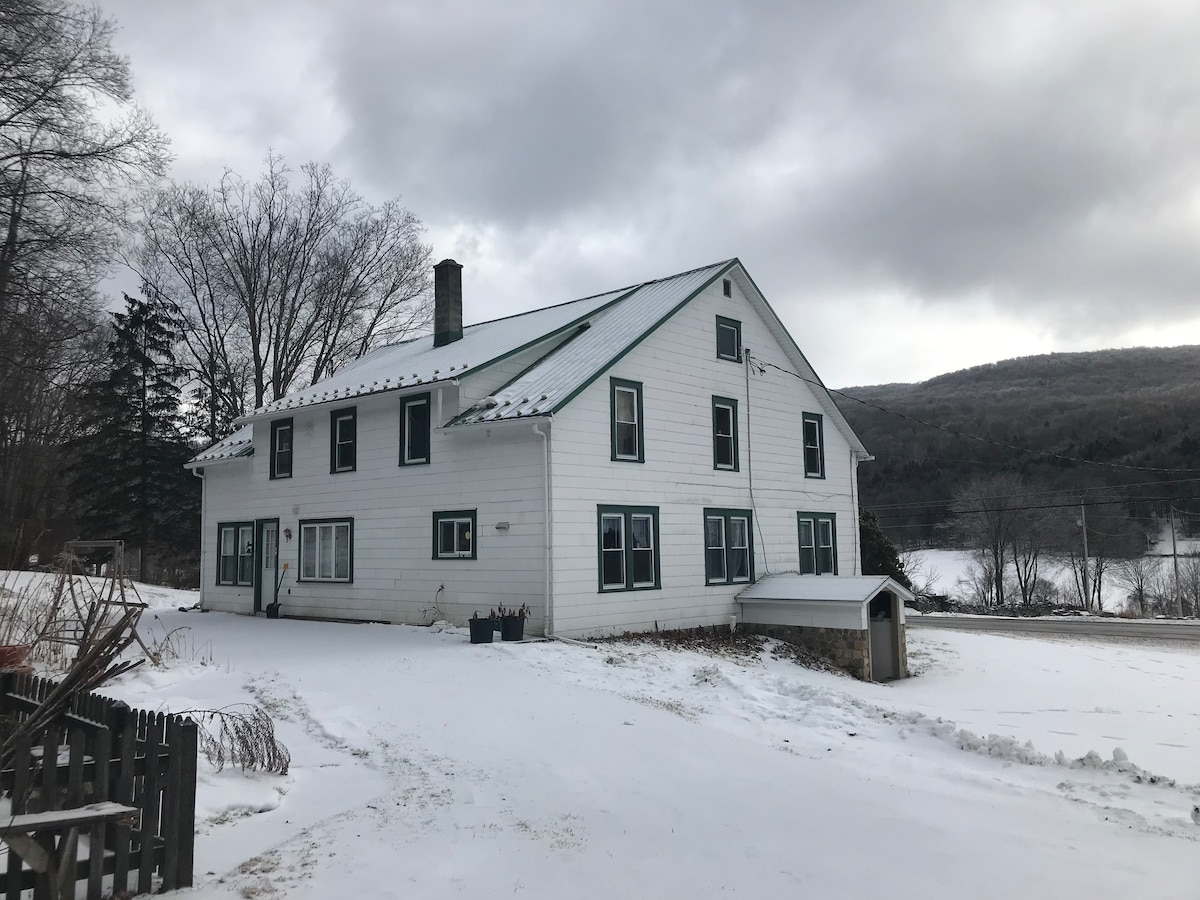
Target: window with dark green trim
(627, 548)
(454, 534)
(414, 430)
(814, 446)
(327, 550)
(725, 434)
(729, 339)
(235, 553)
(818, 543)
(728, 546)
(281, 448)
(343, 440)
(627, 431)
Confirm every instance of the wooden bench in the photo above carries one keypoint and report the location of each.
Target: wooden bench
(32, 837)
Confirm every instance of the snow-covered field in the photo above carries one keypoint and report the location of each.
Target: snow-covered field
(425, 767)
(948, 572)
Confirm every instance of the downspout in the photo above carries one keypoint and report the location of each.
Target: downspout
(548, 625)
(750, 470)
(854, 507)
(199, 473)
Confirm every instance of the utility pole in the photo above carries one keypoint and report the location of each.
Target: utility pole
(1087, 593)
(1175, 563)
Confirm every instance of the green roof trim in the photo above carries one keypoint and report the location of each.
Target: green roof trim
(646, 333)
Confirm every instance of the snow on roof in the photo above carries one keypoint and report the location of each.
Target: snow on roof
(593, 332)
(238, 444)
(417, 362)
(833, 588)
(552, 381)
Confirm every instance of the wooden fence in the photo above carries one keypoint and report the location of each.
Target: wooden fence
(105, 751)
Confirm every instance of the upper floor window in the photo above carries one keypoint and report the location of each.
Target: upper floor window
(729, 339)
(628, 547)
(818, 543)
(343, 439)
(728, 553)
(326, 550)
(414, 430)
(235, 553)
(725, 438)
(281, 448)
(454, 534)
(625, 398)
(814, 446)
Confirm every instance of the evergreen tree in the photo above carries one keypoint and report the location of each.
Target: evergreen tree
(879, 555)
(129, 480)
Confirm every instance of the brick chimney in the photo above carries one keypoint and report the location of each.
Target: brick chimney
(447, 302)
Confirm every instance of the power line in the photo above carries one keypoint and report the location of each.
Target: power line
(1071, 505)
(762, 366)
(1046, 493)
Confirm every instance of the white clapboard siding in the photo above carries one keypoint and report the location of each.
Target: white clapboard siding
(680, 373)
(496, 471)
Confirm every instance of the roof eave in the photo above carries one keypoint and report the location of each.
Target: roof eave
(251, 418)
(798, 358)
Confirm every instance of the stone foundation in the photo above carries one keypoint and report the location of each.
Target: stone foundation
(845, 648)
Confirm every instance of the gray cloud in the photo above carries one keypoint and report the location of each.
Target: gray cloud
(1037, 157)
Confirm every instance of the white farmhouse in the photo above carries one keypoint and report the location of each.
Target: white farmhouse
(623, 462)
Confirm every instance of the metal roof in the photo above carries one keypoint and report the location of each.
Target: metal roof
(551, 382)
(238, 444)
(830, 588)
(592, 334)
(417, 362)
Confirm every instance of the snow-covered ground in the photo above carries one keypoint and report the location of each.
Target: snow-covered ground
(426, 767)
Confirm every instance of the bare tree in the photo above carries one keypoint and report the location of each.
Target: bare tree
(281, 281)
(986, 514)
(1120, 537)
(72, 148)
(1037, 528)
(1189, 585)
(1138, 574)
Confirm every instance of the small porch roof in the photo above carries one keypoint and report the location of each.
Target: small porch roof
(824, 588)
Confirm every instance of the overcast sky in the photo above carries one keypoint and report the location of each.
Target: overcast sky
(916, 187)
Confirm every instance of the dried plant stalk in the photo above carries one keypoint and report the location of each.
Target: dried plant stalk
(241, 735)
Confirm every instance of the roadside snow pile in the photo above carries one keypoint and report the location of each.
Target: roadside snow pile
(776, 696)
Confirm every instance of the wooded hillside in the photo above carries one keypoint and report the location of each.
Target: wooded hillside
(1069, 422)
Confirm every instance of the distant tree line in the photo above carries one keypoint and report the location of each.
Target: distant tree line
(249, 289)
(1116, 423)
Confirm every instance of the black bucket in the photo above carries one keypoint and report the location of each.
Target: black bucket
(481, 631)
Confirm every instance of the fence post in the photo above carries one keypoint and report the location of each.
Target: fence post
(190, 751)
(171, 825)
(97, 842)
(22, 753)
(126, 737)
(150, 801)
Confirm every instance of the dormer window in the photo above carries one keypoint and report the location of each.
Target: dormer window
(281, 448)
(343, 440)
(814, 446)
(625, 405)
(414, 430)
(729, 339)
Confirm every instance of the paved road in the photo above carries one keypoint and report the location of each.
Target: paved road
(1174, 630)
